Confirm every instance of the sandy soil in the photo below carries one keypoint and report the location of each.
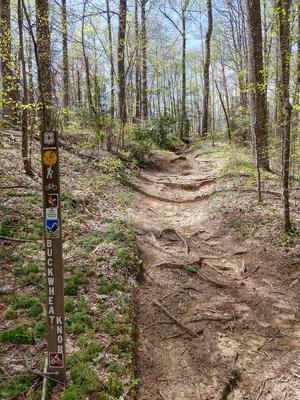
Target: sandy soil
(217, 317)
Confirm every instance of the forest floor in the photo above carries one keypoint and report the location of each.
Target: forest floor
(218, 303)
(214, 312)
(101, 263)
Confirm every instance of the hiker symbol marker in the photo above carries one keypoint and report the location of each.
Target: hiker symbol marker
(56, 360)
(49, 172)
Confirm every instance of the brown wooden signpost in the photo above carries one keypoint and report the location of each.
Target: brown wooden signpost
(54, 263)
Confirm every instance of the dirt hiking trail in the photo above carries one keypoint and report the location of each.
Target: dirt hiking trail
(216, 318)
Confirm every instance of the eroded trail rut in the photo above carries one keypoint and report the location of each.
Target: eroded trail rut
(215, 318)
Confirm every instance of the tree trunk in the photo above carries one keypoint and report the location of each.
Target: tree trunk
(144, 42)
(257, 92)
(225, 113)
(137, 115)
(86, 64)
(43, 53)
(111, 59)
(206, 71)
(9, 84)
(121, 67)
(285, 108)
(24, 109)
(66, 77)
(184, 129)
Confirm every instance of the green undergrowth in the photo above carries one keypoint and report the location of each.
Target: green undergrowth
(237, 161)
(86, 319)
(247, 216)
(101, 264)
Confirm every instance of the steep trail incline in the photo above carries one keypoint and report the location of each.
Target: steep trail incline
(215, 319)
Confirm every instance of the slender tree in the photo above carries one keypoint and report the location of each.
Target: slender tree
(144, 42)
(24, 110)
(111, 60)
(86, 62)
(257, 92)
(285, 108)
(66, 76)
(8, 66)
(121, 67)
(205, 113)
(43, 55)
(137, 63)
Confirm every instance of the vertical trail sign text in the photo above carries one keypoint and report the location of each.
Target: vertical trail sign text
(53, 250)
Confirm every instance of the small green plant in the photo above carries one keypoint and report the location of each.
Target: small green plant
(68, 200)
(78, 319)
(113, 167)
(73, 392)
(85, 378)
(10, 314)
(115, 386)
(125, 198)
(190, 269)
(105, 287)
(109, 326)
(19, 335)
(72, 283)
(15, 386)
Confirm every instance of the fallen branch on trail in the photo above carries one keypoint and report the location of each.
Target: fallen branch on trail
(19, 240)
(177, 322)
(3, 292)
(172, 265)
(263, 387)
(171, 230)
(211, 318)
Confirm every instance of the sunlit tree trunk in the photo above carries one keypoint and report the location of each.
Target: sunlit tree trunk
(24, 109)
(8, 67)
(144, 42)
(44, 65)
(111, 59)
(285, 108)
(257, 92)
(66, 76)
(121, 67)
(205, 114)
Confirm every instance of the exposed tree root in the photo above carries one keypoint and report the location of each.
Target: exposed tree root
(215, 282)
(173, 265)
(177, 322)
(188, 186)
(172, 230)
(192, 287)
(230, 385)
(179, 158)
(211, 318)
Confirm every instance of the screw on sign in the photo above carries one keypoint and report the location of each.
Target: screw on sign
(53, 253)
